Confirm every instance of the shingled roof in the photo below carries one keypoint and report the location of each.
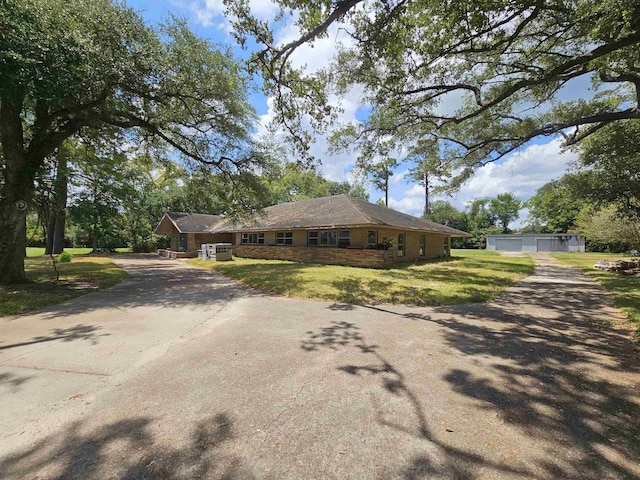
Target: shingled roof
(331, 212)
(194, 222)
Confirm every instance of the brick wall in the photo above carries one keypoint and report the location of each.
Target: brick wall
(330, 256)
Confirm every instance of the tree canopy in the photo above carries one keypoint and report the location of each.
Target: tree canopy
(608, 171)
(554, 207)
(67, 67)
(505, 207)
(485, 76)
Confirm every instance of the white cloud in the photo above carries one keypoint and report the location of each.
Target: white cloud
(522, 173)
(211, 12)
(412, 201)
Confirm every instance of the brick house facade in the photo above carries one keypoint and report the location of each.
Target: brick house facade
(331, 230)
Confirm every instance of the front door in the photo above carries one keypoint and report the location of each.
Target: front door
(183, 243)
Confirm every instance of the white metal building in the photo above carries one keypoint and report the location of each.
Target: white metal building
(536, 242)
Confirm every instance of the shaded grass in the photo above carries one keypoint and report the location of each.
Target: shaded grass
(625, 289)
(38, 251)
(468, 276)
(82, 275)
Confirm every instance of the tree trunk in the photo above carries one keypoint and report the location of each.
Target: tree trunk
(95, 232)
(58, 213)
(60, 194)
(15, 193)
(51, 228)
(13, 241)
(426, 194)
(58, 236)
(386, 191)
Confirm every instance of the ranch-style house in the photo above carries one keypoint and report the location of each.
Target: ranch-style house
(338, 229)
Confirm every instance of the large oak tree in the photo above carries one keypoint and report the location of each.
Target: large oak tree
(510, 64)
(69, 66)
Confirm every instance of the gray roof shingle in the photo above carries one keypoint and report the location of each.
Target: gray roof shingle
(333, 211)
(194, 222)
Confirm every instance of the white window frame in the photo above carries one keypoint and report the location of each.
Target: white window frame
(422, 245)
(402, 244)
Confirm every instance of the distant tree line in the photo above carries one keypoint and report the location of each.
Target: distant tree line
(599, 198)
(91, 195)
(481, 217)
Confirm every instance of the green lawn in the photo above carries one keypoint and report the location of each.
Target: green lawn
(469, 276)
(37, 251)
(625, 290)
(82, 275)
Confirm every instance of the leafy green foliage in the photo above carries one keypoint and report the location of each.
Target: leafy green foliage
(609, 168)
(65, 257)
(505, 207)
(380, 172)
(606, 230)
(292, 181)
(479, 220)
(506, 63)
(83, 67)
(555, 206)
(430, 168)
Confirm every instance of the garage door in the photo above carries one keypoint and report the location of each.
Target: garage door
(552, 245)
(509, 244)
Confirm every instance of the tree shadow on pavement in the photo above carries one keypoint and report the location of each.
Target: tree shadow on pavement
(79, 332)
(128, 450)
(455, 463)
(12, 382)
(157, 285)
(546, 361)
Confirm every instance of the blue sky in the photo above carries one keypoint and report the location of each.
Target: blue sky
(521, 173)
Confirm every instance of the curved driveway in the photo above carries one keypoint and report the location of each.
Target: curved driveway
(180, 373)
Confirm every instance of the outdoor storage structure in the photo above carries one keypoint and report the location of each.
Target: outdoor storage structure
(219, 252)
(536, 242)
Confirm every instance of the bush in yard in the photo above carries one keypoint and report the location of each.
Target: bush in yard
(65, 257)
(146, 246)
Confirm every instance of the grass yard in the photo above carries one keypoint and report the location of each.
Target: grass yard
(469, 276)
(625, 290)
(82, 275)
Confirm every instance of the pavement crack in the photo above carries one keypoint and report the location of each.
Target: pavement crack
(60, 370)
(293, 404)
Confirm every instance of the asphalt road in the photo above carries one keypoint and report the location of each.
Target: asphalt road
(179, 373)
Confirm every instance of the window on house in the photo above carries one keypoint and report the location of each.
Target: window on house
(284, 238)
(252, 239)
(446, 246)
(401, 247)
(372, 238)
(328, 237)
(343, 238)
(312, 240)
(422, 246)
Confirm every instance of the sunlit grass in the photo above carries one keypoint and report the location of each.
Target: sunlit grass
(468, 276)
(625, 289)
(82, 275)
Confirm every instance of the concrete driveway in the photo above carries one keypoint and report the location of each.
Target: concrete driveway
(178, 373)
